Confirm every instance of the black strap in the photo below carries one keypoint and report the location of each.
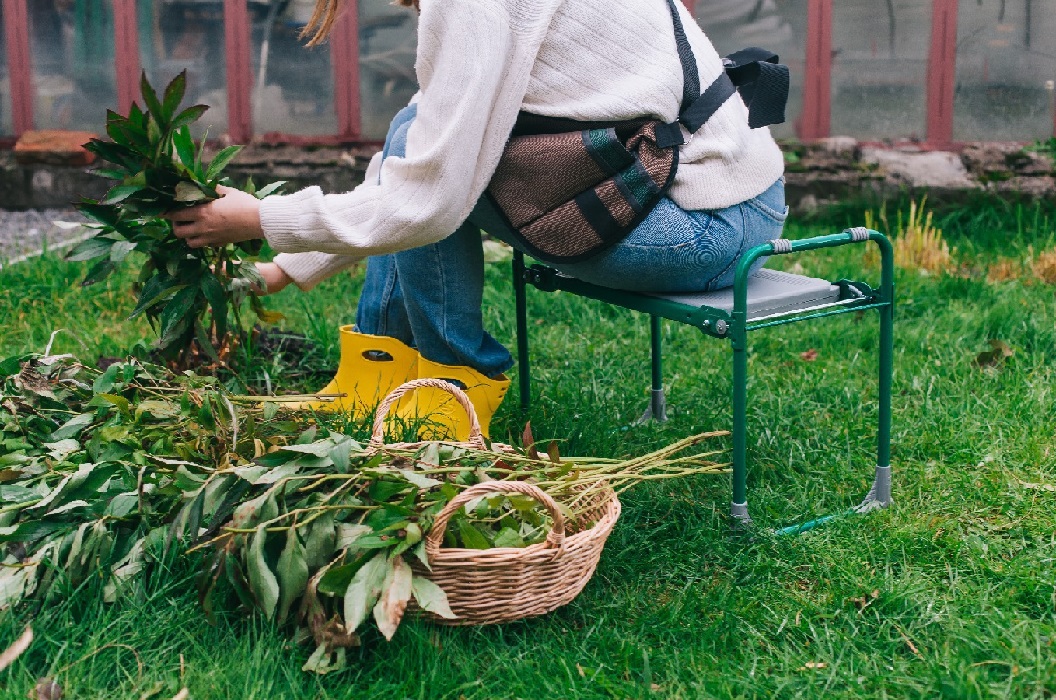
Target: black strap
(690, 75)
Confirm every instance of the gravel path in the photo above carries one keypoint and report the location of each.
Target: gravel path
(24, 234)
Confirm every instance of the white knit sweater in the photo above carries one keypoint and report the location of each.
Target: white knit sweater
(479, 63)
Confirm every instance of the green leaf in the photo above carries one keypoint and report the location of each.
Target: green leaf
(30, 531)
(269, 189)
(189, 116)
(150, 98)
(472, 538)
(221, 161)
(122, 504)
(321, 541)
(62, 449)
(154, 291)
(316, 449)
(120, 193)
(176, 337)
(98, 273)
(179, 309)
(103, 213)
(204, 341)
(348, 535)
(508, 537)
(113, 153)
(123, 404)
(293, 573)
(189, 192)
(72, 427)
(174, 94)
(90, 249)
(120, 251)
(214, 293)
(110, 173)
(336, 579)
(430, 597)
(185, 148)
(363, 591)
(262, 583)
(324, 661)
(104, 384)
(420, 480)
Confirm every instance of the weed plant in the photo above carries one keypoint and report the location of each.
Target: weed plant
(951, 593)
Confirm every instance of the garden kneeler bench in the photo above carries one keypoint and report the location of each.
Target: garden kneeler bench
(762, 300)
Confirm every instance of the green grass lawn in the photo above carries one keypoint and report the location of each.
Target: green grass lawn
(951, 593)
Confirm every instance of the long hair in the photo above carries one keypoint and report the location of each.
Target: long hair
(326, 13)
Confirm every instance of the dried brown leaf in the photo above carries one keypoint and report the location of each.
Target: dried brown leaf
(809, 355)
(999, 352)
(17, 648)
(46, 689)
(528, 440)
(1044, 267)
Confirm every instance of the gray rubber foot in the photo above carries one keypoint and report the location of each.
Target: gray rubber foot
(879, 495)
(739, 515)
(657, 409)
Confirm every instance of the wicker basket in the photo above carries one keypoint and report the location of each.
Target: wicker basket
(488, 586)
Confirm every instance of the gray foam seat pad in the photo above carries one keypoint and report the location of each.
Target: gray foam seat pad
(770, 292)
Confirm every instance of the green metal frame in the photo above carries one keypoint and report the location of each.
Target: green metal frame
(735, 326)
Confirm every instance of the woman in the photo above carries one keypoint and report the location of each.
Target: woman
(479, 64)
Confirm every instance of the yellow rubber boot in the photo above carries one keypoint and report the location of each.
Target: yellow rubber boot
(371, 366)
(443, 417)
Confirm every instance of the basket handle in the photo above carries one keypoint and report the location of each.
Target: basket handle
(554, 540)
(476, 437)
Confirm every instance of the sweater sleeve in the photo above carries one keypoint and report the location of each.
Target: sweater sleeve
(473, 79)
(309, 269)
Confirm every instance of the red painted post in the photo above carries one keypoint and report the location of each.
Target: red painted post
(126, 52)
(344, 54)
(942, 72)
(815, 121)
(20, 66)
(239, 70)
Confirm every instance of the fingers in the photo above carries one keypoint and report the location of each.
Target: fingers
(184, 215)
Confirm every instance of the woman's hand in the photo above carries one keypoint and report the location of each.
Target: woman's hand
(233, 218)
(275, 278)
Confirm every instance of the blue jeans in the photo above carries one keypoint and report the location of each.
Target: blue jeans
(430, 297)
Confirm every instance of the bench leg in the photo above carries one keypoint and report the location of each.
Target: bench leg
(880, 494)
(739, 505)
(524, 376)
(657, 402)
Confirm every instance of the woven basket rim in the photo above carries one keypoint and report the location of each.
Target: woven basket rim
(610, 513)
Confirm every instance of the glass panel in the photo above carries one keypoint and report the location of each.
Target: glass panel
(72, 52)
(387, 42)
(293, 90)
(1006, 62)
(879, 68)
(778, 26)
(177, 35)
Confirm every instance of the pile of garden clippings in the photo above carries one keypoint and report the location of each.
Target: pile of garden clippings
(105, 474)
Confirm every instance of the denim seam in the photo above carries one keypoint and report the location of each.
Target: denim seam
(390, 287)
(767, 210)
(443, 291)
(737, 255)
